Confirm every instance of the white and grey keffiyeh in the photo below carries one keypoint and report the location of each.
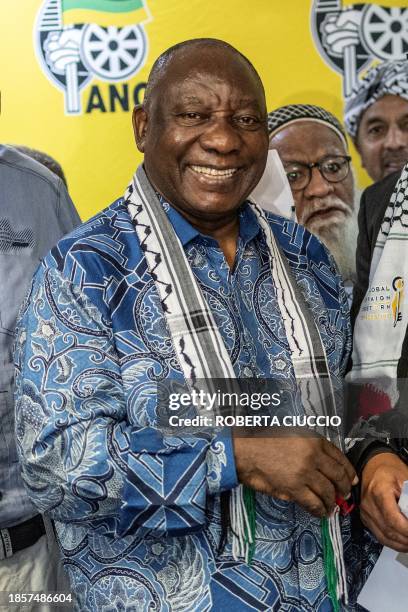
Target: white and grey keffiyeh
(198, 344)
(380, 80)
(381, 323)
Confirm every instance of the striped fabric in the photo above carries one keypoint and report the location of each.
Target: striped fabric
(283, 116)
(12, 240)
(387, 78)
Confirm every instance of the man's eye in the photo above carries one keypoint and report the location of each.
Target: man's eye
(247, 121)
(332, 167)
(376, 130)
(294, 175)
(191, 117)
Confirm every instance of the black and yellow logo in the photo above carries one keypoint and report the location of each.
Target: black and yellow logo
(398, 299)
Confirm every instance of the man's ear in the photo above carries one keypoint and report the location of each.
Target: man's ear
(139, 120)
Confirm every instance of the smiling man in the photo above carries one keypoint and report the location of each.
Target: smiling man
(312, 145)
(182, 280)
(376, 117)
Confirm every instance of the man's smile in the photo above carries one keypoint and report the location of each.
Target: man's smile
(213, 172)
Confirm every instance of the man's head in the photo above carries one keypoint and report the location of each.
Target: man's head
(313, 148)
(376, 117)
(202, 128)
(303, 135)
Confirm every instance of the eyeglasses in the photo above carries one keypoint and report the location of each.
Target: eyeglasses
(333, 168)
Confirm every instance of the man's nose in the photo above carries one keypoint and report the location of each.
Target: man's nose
(395, 138)
(318, 186)
(221, 136)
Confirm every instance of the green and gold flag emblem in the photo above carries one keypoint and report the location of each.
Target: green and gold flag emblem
(103, 12)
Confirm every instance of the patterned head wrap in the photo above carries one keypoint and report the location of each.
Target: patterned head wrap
(386, 78)
(284, 115)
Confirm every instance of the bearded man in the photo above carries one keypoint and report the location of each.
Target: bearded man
(183, 280)
(312, 145)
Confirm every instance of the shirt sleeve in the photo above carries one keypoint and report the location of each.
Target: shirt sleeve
(81, 458)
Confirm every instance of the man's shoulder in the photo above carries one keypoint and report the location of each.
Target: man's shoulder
(385, 186)
(309, 260)
(295, 238)
(25, 168)
(375, 200)
(378, 195)
(103, 236)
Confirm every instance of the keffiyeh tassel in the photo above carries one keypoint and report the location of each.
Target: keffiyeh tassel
(333, 558)
(243, 523)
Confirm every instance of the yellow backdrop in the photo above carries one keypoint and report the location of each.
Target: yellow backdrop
(95, 146)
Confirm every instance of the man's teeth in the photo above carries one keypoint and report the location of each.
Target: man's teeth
(214, 171)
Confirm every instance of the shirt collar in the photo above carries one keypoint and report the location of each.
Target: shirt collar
(248, 224)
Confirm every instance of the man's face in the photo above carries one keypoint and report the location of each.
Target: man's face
(321, 205)
(204, 134)
(382, 137)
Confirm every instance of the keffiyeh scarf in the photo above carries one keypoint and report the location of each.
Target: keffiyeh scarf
(386, 78)
(381, 323)
(202, 355)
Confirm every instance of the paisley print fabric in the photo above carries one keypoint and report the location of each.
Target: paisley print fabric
(138, 514)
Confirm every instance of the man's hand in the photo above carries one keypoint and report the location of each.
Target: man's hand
(381, 484)
(307, 470)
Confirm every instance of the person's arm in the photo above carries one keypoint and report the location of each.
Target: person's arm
(84, 451)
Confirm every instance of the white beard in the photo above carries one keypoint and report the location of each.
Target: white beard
(341, 240)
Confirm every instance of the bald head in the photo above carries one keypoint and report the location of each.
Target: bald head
(183, 52)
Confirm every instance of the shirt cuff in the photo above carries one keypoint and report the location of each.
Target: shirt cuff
(221, 469)
(363, 451)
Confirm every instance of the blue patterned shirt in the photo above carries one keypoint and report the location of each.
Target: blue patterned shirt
(138, 514)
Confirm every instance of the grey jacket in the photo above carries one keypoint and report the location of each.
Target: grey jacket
(35, 212)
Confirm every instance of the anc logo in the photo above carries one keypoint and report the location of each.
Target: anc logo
(78, 40)
(350, 38)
